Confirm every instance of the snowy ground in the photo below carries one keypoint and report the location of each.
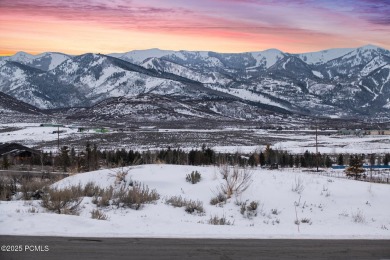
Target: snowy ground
(334, 208)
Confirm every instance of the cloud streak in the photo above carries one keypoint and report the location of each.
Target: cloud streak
(225, 25)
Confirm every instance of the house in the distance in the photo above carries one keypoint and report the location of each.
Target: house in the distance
(378, 132)
(17, 153)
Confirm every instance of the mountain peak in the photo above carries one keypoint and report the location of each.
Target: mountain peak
(369, 47)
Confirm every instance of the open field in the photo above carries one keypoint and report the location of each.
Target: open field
(224, 139)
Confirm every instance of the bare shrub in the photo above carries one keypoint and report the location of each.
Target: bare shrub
(135, 196)
(104, 199)
(236, 181)
(91, 190)
(120, 176)
(63, 201)
(250, 210)
(298, 186)
(32, 188)
(275, 212)
(219, 199)
(32, 210)
(176, 201)
(194, 177)
(306, 221)
(194, 206)
(190, 205)
(97, 214)
(215, 220)
(8, 187)
(358, 216)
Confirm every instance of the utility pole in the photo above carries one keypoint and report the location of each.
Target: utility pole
(317, 144)
(58, 139)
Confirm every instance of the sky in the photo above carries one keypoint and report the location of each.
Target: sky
(100, 26)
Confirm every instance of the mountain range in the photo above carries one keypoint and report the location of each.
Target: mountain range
(336, 83)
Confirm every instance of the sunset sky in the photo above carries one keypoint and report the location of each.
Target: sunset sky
(80, 26)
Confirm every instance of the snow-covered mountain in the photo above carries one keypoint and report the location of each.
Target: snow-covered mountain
(336, 83)
(11, 106)
(151, 107)
(45, 61)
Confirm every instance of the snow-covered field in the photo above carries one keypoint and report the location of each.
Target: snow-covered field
(333, 208)
(294, 142)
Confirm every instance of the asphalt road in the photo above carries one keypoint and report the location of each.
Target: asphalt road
(222, 249)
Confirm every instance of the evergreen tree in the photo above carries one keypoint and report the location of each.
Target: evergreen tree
(328, 162)
(269, 154)
(340, 159)
(64, 158)
(5, 164)
(262, 159)
(72, 156)
(88, 155)
(95, 158)
(355, 167)
(302, 161)
(372, 159)
(291, 161)
(386, 159)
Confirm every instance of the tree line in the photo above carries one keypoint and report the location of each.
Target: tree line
(92, 158)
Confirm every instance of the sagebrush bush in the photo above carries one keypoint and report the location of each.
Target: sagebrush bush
(176, 201)
(194, 177)
(61, 201)
(135, 196)
(91, 190)
(250, 210)
(33, 188)
(194, 207)
(215, 220)
(190, 205)
(97, 214)
(220, 198)
(103, 199)
(358, 216)
(8, 188)
(306, 221)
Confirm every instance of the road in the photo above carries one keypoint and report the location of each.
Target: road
(221, 249)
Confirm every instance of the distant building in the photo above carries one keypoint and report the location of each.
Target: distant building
(358, 132)
(17, 152)
(51, 125)
(377, 132)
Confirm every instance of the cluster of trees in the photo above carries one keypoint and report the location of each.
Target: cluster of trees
(91, 158)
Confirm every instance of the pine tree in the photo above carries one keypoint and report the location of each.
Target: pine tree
(64, 158)
(386, 159)
(262, 159)
(95, 158)
(355, 167)
(328, 162)
(340, 159)
(88, 159)
(269, 154)
(5, 164)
